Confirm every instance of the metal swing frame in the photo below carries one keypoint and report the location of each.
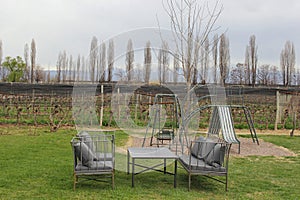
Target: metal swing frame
(160, 134)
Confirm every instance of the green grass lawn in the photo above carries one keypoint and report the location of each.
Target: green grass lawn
(39, 166)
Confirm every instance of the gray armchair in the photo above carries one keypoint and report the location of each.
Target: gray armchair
(94, 156)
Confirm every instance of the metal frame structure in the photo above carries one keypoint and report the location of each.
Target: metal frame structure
(235, 96)
(220, 121)
(221, 117)
(161, 132)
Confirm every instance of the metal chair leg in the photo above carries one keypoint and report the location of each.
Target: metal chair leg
(113, 179)
(226, 184)
(190, 182)
(75, 181)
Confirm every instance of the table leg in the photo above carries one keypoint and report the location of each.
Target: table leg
(127, 162)
(132, 178)
(165, 166)
(175, 173)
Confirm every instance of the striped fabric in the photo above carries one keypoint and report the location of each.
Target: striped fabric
(214, 125)
(226, 123)
(222, 120)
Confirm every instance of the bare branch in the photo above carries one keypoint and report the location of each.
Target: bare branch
(191, 25)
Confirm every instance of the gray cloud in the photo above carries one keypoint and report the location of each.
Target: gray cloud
(69, 25)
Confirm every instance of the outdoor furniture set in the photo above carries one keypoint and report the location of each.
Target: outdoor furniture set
(94, 158)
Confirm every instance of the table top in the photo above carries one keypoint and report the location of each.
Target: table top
(151, 152)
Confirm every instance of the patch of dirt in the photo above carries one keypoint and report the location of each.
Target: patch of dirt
(248, 148)
(268, 132)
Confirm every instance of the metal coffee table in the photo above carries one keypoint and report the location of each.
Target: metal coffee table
(148, 153)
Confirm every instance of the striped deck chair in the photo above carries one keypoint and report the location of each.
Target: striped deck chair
(222, 120)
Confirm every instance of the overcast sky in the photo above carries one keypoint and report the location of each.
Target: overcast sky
(58, 25)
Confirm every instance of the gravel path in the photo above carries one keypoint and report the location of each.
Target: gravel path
(248, 148)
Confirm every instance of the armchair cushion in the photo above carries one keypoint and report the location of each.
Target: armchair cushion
(104, 156)
(216, 155)
(202, 147)
(195, 150)
(95, 165)
(195, 164)
(87, 139)
(84, 153)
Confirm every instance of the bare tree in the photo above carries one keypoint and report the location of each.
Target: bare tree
(247, 66)
(87, 70)
(83, 68)
(26, 59)
(138, 72)
(190, 22)
(253, 58)
(49, 75)
(120, 73)
(163, 63)
(70, 68)
(33, 59)
(39, 74)
(206, 59)
(224, 58)
(264, 75)
(287, 63)
(274, 76)
(111, 57)
(237, 75)
(102, 63)
(1, 53)
(297, 77)
(74, 69)
(64, 66)
(147, 62)
(78, 72)
(176, 68)
(2, 69)
(129, 60)
(93, 57)
(58, 67)
(196, 61)
(204, 62)
(159, 66)
(215, 57)
(283, 68)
